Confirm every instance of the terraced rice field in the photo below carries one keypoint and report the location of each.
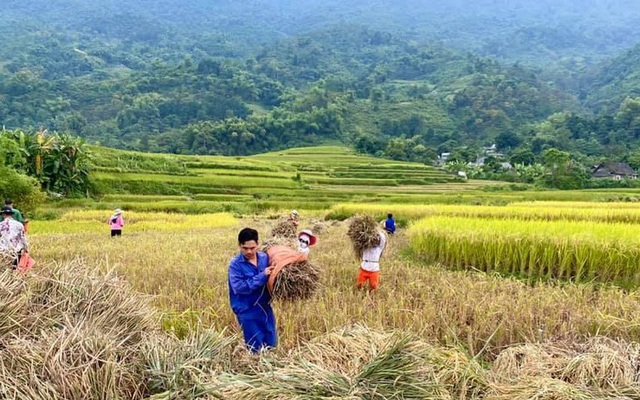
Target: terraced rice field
(486, 293)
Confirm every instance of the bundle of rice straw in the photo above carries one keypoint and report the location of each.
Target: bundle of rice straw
(363, 232)
(284, 228)
(293, 277)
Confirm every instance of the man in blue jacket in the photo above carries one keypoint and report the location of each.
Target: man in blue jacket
(250, 299)
(390, 224)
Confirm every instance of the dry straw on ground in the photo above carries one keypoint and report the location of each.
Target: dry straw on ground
(69, 333)
(363, 232)
(352, 364)
(6, 260)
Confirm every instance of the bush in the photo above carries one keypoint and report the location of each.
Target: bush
(23, 190)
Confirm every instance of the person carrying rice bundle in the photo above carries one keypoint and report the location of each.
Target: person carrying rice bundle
(250, 300)
(368, 244)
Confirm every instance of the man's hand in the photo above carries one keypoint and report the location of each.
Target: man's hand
(267, 271)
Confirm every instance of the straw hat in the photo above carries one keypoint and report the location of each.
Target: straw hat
(309, 234)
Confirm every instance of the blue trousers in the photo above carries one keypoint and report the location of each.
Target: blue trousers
(259, 332)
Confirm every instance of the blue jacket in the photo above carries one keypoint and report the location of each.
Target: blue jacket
(390, 225)
(248, 291)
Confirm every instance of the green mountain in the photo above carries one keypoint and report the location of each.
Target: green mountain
(607, 86)
(538, 30)
(405, 79)
(336, 84)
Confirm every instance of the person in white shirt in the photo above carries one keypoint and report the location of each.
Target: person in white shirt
(12, 238)
(306, 240)
(370, 265)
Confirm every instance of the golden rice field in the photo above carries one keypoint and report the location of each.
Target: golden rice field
(545, 211)
(185, 269)
(452, 319)
(580, 251)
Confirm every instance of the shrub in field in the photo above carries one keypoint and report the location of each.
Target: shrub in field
(576, 251)
(23, 190)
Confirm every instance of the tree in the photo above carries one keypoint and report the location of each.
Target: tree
(522, 156)
(508, 140)
(562, 171)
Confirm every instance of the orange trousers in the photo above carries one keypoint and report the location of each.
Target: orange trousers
(372, 277)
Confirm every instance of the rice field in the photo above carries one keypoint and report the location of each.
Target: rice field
(485, 293)
(472, 333)
(572, 251)
(182, 260)
(537, 211)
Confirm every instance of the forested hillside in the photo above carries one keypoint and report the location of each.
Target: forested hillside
(513, 29)
(405, 79)
(330, 85)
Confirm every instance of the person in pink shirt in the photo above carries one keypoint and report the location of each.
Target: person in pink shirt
(116, 222)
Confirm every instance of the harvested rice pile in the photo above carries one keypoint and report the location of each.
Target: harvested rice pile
(285, 228)
(353, 363)
(363, 232)
(67, 333)
(359, 363)
(294, 277)
(597, 369)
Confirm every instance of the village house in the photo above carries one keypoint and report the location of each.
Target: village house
(615, 171)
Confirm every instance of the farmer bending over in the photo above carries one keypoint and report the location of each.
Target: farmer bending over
(390, 224)
(370, 265)
(294, 218)
(12, 238)
(250, 300)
